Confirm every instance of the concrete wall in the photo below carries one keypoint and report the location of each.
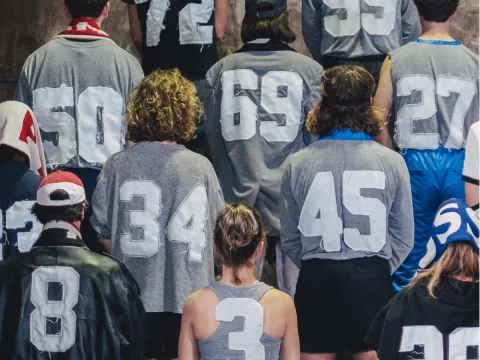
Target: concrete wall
(25, 25)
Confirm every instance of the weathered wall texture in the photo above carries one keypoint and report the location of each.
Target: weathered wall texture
(25, 25)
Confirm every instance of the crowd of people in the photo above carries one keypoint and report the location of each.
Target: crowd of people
(140, 204)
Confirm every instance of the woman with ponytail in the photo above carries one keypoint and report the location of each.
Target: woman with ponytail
(436, 316)
(239, 317)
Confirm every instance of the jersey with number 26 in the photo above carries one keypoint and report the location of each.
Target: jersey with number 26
(435, 94)
(158, 203)
(78, 91)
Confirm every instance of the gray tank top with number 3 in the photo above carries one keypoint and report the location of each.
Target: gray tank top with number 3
(240, 335)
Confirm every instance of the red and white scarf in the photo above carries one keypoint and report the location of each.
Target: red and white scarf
(84, 29)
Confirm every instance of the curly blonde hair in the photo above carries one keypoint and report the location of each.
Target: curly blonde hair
(164, 107)
(341, 85)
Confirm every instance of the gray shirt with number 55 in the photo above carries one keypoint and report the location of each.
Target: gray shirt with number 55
(256, 104)
(356, 28)
(158, 203)
(346, 199)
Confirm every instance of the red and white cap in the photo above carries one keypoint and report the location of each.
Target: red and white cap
(61, 180)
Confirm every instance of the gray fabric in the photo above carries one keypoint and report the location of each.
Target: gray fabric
(216, 346)
(80, 65)
(338, 156)
(167, 277)
(321, 43)
(250, 170)
(417, 59)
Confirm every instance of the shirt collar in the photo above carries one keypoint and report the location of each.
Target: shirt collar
(437, 42)
(265, 45)
(72, 231)
(346, 134)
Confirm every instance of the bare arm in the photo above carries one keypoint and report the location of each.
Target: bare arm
(472, 194)
(290, 349)
(384, 101)
(221, 17)
(107, 244)
(135, 27)
(187, 347)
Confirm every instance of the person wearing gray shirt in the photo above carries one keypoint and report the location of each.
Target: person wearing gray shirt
(256, 104)
(156, 203)
(430, 88)
(346, 216)
(359, 32)
(238, 317)
(78, 85)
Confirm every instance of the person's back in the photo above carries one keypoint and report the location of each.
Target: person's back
(431, 88)
(168, 247)
(238, 317)
(78, 85)
(155, 205)
(21, 163)
(346, 216)
(445, 75)
(362, 32)
(60, 298)
(256, 107)
(437, 315)
(177, 34)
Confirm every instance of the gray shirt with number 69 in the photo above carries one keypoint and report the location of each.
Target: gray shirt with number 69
(346, 199)
(256, 104)
(158, 203)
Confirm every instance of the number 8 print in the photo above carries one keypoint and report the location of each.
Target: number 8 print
(56, 311)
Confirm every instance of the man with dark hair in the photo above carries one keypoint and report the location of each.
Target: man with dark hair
(430, 88)
(22, 167)
(179, 34)
(78, 85)
(60, 299)
(256, 105)
(347, 219)
(357, 32)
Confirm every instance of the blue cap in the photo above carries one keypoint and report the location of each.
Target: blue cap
(454, 221)
(262, 9)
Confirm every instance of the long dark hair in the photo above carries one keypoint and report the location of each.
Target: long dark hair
(342, 85)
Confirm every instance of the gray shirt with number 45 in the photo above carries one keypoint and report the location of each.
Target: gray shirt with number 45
(256, 104)
(158, 203)
(346, 199)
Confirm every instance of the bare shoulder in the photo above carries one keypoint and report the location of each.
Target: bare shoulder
(200, 300)
(278, 301)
